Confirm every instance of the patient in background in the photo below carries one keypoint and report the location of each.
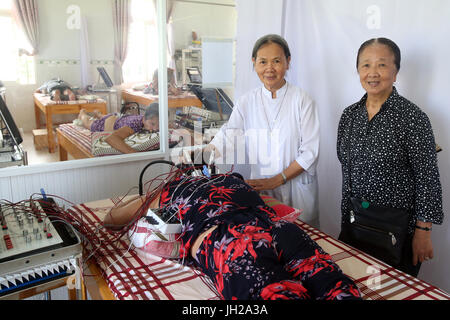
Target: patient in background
(172, 87)
(122, 126)
(58, 89)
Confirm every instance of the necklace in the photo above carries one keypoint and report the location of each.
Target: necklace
(278, 112)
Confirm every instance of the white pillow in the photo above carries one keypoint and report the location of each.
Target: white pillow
(138, 141)
(149, 241)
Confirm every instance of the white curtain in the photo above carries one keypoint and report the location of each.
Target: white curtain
(27, 16)
(121, 23)
(324, 36)
(252, 23)
(85, 55)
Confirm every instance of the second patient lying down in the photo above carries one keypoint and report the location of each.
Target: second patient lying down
(122, 126)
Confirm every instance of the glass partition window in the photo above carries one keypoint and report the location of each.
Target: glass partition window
(201, 45)
(81, 44)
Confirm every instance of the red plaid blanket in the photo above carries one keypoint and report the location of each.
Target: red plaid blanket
(131, 275)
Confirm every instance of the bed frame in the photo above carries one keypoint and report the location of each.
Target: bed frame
(165, 283)
(68, 145)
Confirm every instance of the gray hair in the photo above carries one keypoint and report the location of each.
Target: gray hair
(151, 111)
(271, 38)
(384, 41)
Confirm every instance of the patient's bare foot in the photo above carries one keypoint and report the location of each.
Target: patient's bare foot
(97, 114)
(72, 96)
(82, 113)
(56, 95)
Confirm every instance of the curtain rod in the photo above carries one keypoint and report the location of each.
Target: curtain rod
(204, 2)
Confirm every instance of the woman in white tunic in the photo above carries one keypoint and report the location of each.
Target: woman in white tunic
(276, 127)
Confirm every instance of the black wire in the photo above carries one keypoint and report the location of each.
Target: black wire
(141, 192)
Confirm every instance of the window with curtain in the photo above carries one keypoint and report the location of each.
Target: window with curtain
(142, 52)
(14, 65)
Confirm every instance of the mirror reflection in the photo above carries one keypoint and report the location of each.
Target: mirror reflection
(83, 81)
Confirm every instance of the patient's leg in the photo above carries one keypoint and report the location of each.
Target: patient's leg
(70, 94)
(56, 95)
(306, 261)
(86, 119)
(241, 262)
(97, 114)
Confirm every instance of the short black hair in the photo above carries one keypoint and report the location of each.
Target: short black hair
(271, 38)
(387, 42)
(151, 111)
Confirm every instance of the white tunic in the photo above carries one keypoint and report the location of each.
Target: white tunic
(269, 134)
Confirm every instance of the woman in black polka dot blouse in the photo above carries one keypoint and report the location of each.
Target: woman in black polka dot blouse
(393, 152)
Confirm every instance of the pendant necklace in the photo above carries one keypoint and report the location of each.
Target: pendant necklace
(278, 112)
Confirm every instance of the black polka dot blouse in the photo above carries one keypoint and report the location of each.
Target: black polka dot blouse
(393, 159)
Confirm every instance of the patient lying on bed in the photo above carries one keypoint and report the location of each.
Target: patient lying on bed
(122, 126)
(239, 242)
(172, 88)
(58, 89)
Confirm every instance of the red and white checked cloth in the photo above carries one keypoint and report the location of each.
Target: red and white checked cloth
(133, 276)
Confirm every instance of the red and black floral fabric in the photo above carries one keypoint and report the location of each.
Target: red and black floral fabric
(252, 254)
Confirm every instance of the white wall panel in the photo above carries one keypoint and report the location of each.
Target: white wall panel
(76, 185)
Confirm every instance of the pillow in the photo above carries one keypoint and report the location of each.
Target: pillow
(147, 240)
(283, 211)
(139, 141)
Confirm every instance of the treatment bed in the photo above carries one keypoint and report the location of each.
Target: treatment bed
(118, 271)
(81, 143)
(43, 103)
(73, 140)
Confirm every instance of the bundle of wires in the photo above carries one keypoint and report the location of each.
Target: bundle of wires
(96, 236)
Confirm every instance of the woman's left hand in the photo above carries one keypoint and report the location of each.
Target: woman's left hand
(265, 184)
(422, 246)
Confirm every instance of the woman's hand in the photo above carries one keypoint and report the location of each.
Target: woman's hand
(290, 172)
(422, 246)
(266, 184)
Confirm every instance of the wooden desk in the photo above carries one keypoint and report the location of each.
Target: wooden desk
(185, 99)
(49, 108)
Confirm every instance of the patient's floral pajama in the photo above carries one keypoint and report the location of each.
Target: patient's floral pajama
(252, 254)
